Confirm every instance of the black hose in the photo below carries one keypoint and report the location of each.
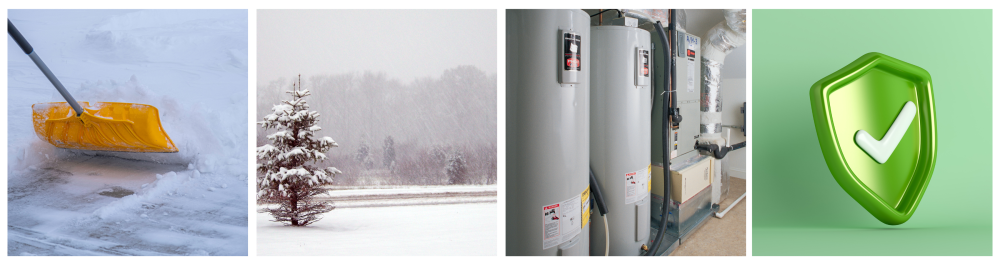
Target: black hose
(658, 240)
(719, 152)
(738, 146)
(598, 196)
(606, 10)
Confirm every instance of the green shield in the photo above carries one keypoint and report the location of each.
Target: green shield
(868, 98)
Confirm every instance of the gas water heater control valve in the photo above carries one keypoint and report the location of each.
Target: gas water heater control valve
(642, 67)
(572, 61)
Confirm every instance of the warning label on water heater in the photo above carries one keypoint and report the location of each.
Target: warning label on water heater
(585, 211)
(637, 185)
(649, 178)
(561, 222)
(551, 232)
(571, 50)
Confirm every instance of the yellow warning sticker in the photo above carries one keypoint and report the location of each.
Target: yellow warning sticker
(585, 201)
(649, 178)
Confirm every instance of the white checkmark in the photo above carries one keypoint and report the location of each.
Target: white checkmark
(881, 150)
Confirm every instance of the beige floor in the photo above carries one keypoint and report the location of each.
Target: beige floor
(721, 237)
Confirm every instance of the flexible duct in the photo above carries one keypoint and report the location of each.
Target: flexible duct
(722, 39)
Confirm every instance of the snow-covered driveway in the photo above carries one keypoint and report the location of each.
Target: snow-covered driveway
(85, 205)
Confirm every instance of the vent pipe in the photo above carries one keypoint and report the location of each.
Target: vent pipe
(722, 39)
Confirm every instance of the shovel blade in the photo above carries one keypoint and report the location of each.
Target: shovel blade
(104, 126)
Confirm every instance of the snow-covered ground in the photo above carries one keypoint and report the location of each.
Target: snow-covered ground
(450, 229)
(412, 195)
(192, 66)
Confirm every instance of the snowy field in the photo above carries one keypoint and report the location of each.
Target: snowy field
(450, 229)
(192, 66)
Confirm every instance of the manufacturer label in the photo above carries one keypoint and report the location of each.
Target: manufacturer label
(686, 45)
(692, 44)
(644, 54)
(571, 50)
(692, 41)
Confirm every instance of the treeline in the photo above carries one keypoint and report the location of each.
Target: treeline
(430, 131)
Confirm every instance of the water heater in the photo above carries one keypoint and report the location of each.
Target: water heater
(621, 102)
(548, 137)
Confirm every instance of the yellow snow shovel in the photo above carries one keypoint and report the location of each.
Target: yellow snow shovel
(105, 126)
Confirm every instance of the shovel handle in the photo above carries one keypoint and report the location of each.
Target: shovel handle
(19, 38)
(14, 33)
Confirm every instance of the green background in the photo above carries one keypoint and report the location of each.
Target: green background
(798, 208)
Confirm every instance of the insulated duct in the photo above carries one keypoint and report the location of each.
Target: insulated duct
(722, 39)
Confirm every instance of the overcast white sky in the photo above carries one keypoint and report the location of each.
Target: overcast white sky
(405, 44)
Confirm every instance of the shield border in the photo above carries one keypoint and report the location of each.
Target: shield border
(830, 146)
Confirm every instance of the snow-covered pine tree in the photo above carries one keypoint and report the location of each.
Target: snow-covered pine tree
(285, 175)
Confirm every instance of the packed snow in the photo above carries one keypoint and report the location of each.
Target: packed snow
(451, 229)
(192, 66)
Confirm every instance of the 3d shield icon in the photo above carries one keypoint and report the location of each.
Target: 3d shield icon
(876, 127)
